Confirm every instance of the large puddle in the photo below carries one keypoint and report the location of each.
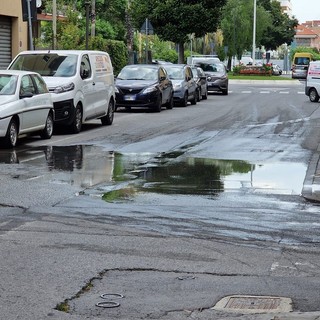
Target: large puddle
(166, 173)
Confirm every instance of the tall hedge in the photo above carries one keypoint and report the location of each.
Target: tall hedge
(118, 53)
(117, 50)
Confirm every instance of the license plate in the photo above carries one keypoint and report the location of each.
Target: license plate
(129, 97)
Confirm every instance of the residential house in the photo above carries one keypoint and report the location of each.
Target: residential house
(308, 35)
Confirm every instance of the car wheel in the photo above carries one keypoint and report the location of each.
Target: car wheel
(108, 118)
(195, 98)
(225, 92)
(11, 138)
(199, 95)
(170, 103)
(46, 133)
(205, 96)
(184, 100)
(158, 104)
(313, 95)
(77, 121)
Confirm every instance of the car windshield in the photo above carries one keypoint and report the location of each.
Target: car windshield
(8, 84)
(138, 73)
(213, 67)
(175, 73)
(47, 64)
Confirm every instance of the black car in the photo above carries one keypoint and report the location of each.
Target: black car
(144, 85)
(201, 81)
(217, 76)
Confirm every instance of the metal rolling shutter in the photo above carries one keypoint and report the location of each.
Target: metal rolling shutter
(5, 41)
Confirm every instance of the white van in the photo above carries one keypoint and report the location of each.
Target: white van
(312, 88)
(81, 83)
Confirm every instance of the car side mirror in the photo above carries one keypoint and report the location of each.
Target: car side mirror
(26, 95)
(162, 78)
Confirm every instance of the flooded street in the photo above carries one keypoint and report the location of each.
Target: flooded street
(165, 213)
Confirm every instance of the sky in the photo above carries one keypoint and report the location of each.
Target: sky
(305, 10)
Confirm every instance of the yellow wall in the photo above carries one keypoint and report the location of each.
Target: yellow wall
(12, 8)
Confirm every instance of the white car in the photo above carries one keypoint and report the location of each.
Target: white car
(25, 106)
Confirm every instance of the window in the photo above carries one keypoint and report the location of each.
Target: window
(41, 85)
(27, 85)
(85, 66)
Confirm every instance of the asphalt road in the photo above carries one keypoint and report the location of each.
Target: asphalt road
(171, 255)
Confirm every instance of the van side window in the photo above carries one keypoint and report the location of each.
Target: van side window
(85, 67)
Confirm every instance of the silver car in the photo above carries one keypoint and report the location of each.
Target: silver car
(184, 85)
(25, 106)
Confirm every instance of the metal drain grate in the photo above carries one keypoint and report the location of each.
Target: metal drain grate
(254, 304)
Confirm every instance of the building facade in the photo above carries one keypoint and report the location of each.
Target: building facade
(13, 31)
(286, 7)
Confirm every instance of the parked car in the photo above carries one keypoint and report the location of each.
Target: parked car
(276, 70)
(184, 85)
(217, 76)
(201, 81)
(81, 83)
(144, 85)
(300, 64)
(312, 87)
(25, 106)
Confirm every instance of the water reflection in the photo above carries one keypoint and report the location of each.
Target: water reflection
(166, 174)
(78, 165)
(163, 173)
(173, 174)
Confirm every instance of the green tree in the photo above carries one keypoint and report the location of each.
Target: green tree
(174, 20)
(281, 28)
(237, 26)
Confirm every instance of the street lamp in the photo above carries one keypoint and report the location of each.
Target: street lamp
(254, 31)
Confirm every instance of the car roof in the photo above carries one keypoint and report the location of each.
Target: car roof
(61, 51)
(17, 72)
(154, 66)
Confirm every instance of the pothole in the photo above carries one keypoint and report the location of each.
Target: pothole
(254, 304)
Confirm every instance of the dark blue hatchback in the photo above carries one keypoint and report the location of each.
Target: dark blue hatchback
(144, 85)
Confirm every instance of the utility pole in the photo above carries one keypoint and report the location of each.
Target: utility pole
(254, 32)
(93, 18)
(30, 25)
(87, 4)
(54, 23)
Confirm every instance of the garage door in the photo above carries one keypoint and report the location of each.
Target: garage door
(5, 41)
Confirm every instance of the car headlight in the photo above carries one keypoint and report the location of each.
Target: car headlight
(64, 88)
(149, 89)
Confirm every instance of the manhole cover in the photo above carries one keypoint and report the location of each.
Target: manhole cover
(254, 304)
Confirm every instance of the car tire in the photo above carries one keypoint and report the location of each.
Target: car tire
(47, 132)
(199, 95)
(205, 96)
(107, 120)
(11, 137)
(184, 100)
(170, 103)
(77, 121)
(195, 98)
(158, 104)
(313, 95)
(225, 92)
